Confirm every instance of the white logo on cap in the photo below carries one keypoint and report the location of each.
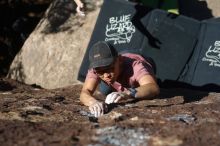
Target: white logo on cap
(97, 55)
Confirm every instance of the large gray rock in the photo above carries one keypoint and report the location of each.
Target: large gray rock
(214, 5)
(52, 54)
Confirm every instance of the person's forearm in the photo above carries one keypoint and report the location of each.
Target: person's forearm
(86, 98)
(147, 91)
(78, 2)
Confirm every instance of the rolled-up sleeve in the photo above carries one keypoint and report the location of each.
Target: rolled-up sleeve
(92, 74)
(140, 69)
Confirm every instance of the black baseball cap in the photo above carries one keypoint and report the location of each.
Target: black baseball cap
(102, 54)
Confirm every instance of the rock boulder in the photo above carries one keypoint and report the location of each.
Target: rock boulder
(52, 54)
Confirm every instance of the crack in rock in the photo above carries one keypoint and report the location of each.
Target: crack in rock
(183, 117)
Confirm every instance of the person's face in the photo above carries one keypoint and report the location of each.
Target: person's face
(110, 73)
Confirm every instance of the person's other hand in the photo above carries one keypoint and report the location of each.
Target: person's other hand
(98, 108)
(113, 97)
(79, 8)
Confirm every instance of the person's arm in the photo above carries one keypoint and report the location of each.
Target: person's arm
(148, 88)
(86, 97)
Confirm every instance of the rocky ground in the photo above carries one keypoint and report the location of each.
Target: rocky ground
(33, 116)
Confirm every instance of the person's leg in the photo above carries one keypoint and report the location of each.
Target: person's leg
(104, 88)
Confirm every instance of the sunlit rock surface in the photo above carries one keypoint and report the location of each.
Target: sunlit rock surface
(30, 115)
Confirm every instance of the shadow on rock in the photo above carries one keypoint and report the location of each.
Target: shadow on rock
(58, 14)
(187, 94)
(195, 8)
(5, 86)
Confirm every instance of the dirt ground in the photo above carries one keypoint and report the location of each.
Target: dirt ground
(32, 116)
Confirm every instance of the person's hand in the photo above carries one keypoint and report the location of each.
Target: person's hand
(98, 108)
(115, 97)
(79, 8)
